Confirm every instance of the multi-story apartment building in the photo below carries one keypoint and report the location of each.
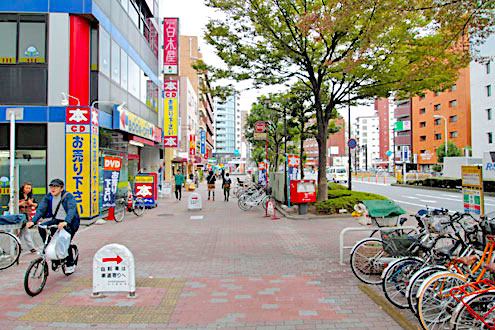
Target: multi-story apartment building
(367, 134)
(483, 101)
(433, 112)
(226, 125)
(402, 138)
(81, 53)
(336, 148)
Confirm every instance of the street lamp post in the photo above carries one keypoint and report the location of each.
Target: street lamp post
(446, 137)
(65, 99)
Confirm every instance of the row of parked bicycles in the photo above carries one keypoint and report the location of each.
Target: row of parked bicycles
(250, 194)
(443, 271)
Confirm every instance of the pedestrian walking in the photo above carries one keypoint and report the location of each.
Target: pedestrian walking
(61, 208)
(210, 180)
(26, 205)
(179, 181)
(226, 187)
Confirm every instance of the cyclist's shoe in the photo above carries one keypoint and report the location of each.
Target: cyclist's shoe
(55, 266)
(70, 269)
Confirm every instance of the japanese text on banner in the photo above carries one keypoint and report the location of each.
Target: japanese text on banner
(78, 171)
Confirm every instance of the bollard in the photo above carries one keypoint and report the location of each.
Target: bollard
(384, 181)
(376, 179)
(111, 214)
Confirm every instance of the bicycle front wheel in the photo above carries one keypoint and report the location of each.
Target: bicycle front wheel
(396, 278)
(119, 212)
(483, 305)
(435, 303)
(10, 250)
(35, 278)
(368, 260)
(415, 283)
(139, 207)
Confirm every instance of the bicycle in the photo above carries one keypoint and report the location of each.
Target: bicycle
(121, 206)
(10, 244)
(38, 268)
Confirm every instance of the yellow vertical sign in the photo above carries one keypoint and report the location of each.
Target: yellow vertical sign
(171, 117)
(171, 113)
(77, 170)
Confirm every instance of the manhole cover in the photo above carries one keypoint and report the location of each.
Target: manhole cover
(165, 215)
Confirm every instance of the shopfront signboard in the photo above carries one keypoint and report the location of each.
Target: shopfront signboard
(81, 158)
(262, 174)
(145, 187)
(111, 177)
(192, 145)
(171, 45)
(472, 190)
(126, 121)
(171, 113)
(293, 167)
(203, 141)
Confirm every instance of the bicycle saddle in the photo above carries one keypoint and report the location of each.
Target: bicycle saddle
(445, 251)
(468, 260)
(490, 267)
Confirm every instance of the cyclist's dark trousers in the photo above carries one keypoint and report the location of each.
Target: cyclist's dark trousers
(178, 191)
(70, 257)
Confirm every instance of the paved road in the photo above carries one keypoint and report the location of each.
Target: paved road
(215, 268)
(414, 199)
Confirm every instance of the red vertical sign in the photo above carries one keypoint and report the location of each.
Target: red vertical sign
(192, 145)
(171, 45)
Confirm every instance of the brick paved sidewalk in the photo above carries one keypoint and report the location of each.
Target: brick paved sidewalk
(230, 269)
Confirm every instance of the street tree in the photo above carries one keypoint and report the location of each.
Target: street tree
(452, 151)
(357, 49)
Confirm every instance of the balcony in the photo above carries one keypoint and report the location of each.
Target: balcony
(402, 112)
(403, 140)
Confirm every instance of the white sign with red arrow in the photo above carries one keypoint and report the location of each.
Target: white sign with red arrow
(114, 270)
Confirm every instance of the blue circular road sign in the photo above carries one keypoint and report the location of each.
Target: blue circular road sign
(352, 143)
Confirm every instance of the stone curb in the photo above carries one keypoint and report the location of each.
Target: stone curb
(308, 216)
(491, 194)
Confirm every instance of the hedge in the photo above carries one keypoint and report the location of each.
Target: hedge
(343, 199)
(488, 186)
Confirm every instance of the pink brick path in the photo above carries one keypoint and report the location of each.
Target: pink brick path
(238, 270)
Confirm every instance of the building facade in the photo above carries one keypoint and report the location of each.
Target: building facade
(227, 127)
(336, 148)
(433, 112)
(367, 133)
(483, 102)
(403, 138)
(81, 53)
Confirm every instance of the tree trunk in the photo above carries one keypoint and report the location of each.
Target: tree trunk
(301, 154)
(321, 138)
(276, 157)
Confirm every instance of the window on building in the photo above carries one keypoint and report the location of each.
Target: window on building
(422, 151)
(438, 121)
(123, 69)
(489, 114)
(422, 111)
(453, 119)
(490, 138)
(115, 64)
(422, 97)
(422, 138)
(453, 103)
(32, 41)
(143, 85)
(489, 90)
(104, 52)
(438, 136)
(454, 134)
(453, 88)
(8, 35)
(422, 124)
(133, 77)
(125, 4)
(437, 107)
(437, 93)
(487, 67)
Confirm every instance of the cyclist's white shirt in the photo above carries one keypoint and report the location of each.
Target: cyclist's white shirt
(61, 214)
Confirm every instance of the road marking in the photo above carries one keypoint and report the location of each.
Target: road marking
(410, 197)
(398, 201)
(196, 217)
(425, 201)
(450, 199)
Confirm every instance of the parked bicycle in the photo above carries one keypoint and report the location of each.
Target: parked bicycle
(37, 272)
(122, 206)
(10, 240)
(254, 197)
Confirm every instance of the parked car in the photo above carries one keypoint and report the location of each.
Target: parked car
(337, 174)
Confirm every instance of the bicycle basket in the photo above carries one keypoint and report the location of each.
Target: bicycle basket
(395, 242)
(488, 227)
(385, 221)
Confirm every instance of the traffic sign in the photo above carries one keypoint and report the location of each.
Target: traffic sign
(260, 126)
(352, 143)
(389, 153)
(114, 270)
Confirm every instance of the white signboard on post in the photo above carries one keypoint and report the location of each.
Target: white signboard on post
(114, 270)
(194, 202)
(167, 188)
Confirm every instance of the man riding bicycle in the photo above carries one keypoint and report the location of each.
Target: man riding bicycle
(59, 206)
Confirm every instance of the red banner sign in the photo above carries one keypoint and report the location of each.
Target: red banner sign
(171, 45)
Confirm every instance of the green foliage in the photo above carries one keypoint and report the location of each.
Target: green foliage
(452, 151)
(437, 168)
(343, 199)
(449, 183)
(333, 186)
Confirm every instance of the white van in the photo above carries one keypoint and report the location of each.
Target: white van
(337, 174)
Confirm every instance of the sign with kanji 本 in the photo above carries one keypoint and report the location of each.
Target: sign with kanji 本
(145, 187)
(81, 158)
(111, 176)
(114, 270)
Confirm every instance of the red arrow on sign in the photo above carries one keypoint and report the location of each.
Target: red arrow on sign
(118, 260)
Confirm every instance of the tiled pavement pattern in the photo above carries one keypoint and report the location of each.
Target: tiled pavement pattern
(231, 269)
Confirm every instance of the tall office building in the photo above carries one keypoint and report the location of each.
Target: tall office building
(227, 128)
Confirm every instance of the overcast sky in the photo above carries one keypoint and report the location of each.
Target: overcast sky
(193, 16)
